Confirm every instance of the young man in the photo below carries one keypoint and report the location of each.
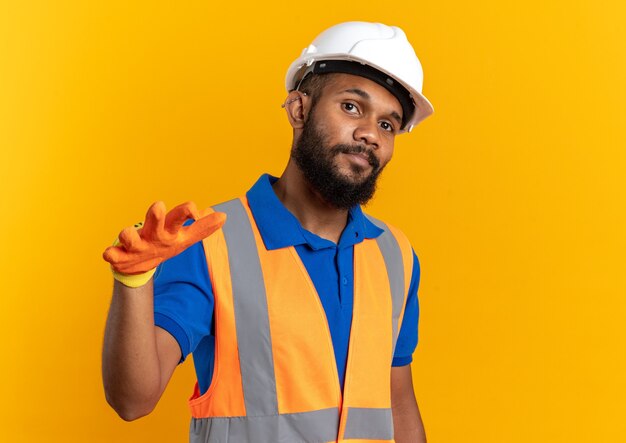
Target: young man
(301, 311)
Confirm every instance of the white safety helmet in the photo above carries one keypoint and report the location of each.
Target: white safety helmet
(378, 52)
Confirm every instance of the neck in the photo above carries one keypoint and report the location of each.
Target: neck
(312, 211)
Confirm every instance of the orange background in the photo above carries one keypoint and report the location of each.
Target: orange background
(513, 195)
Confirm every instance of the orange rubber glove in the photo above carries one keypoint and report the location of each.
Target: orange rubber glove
(162, 236)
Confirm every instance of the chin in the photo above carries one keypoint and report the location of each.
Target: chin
(356, 175)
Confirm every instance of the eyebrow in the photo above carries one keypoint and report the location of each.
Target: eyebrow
(361, 93)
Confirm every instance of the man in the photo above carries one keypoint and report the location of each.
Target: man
(300, 310)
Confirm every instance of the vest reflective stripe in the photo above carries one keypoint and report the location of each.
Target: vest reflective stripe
(224, 398)
(253, 331)
(306, 372)
(395, 270)
(271, 328)
(315, 427)
(369, 424)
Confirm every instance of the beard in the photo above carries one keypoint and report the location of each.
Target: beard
(315, 158)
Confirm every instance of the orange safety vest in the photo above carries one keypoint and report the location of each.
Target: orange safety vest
(275, 376)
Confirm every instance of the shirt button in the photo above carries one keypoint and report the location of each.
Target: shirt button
(344, 281)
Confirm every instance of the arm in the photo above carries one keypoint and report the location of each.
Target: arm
(138, 359)
(407, 422)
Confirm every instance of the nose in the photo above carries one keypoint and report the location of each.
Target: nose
(367, 133)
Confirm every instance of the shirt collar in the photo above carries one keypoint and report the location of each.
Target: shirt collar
(279, 228)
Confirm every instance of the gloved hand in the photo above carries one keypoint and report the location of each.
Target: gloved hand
(162, 236)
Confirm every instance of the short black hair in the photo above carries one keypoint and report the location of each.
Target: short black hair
(313, 85)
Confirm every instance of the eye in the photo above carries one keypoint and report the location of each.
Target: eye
(387, 126)
(350, 107)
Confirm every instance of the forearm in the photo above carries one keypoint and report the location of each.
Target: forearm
(130, 360)
(407, 423)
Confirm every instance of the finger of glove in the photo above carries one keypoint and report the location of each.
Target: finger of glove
(132, 262)
(175, 219)
(119, 256)
(130, 239)
(114, 254)
(120, 259)
(155, 220)
(204, 227)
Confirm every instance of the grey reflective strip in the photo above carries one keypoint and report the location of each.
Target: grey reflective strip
(392, 255)
(369, 424)
(251, 315)
(307, 427)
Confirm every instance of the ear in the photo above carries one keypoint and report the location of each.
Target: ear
(297, 105)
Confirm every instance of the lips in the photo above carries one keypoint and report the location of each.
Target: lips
(358, 155)
(361, 158)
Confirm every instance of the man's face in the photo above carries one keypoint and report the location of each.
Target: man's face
(348, 139)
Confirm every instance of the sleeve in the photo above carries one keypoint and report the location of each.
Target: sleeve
(183, 298)
(407, 338)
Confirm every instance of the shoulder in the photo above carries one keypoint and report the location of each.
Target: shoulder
(215, 245)
(392, 239)
(225, 206)
(389, 230)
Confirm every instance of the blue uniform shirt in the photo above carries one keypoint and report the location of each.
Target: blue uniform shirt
(183, 296)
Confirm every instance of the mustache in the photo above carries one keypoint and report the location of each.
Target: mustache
(357, 149)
